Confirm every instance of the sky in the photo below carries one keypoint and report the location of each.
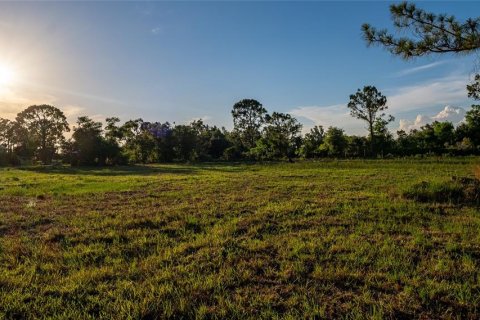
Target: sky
(180, 61)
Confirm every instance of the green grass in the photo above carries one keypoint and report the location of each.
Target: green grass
(328, 239)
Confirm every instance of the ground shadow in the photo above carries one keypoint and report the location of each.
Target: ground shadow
(136, 170)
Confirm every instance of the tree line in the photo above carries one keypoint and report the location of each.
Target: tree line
(38, 135)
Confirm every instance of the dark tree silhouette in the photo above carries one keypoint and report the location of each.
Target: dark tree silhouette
(473, 88)
(46, 125)
(89, 147)
(7, 130)
(430, 33)
(367, 105)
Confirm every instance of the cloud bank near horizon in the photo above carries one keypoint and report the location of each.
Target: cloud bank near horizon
(455, 115)
(439, 93)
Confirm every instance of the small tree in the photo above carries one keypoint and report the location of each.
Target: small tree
(311, 142)
(356, 146)
(44, 124)
(335, 142)
(185, 139)
(112, 131)
(384, 141)
(162, 136)
(368, 105)
(283, 134)
(248, 118)
(87, 147)
(471, 126)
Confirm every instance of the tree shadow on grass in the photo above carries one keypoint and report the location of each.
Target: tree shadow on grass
(136, 170)
(143, 170)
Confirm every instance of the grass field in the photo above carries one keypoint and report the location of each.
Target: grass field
(329, 239)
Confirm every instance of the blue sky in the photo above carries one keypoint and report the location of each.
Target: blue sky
(178, 61)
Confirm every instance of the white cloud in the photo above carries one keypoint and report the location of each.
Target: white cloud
(156, 30)
(443, 91)
(451, 114)
(420, 68)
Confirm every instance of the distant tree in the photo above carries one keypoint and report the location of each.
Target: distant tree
(138, 144)
(335, 142)
(280, 140)
(283, 134)
(44, 124)
(356, 146)
(88, 147)
(7, 134)
(163, 148)
(444, 134)
(7, 142)
(248, 118)
(430, 33)
(426, 138)
(406, 143)
(311, 142)
(384, 141)
(218, 142)
(211, 142)
(185, 139)
(25, 146)
(435, 137)
(112, 131)
(202, 139)
(368, 105)
(471, 127)
(235, 150)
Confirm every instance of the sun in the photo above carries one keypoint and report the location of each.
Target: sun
(7, 75)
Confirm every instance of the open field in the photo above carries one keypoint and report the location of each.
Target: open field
(304, 240)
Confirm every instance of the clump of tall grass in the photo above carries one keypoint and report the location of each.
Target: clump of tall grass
(458, 190)
(424, 191)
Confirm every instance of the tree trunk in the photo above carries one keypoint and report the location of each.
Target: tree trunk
(371, 139)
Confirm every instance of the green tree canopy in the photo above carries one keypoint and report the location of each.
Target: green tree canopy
(282, 134)
(311, 142)
(248, 118)
(46, 125)
(335, 142)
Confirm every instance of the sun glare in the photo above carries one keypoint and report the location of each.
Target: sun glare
(7, 75)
